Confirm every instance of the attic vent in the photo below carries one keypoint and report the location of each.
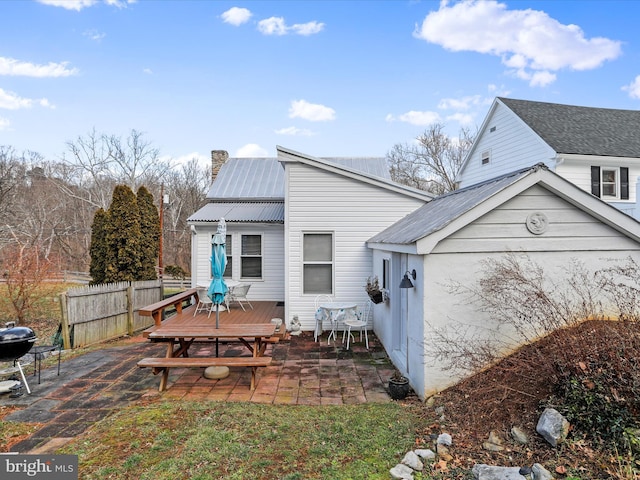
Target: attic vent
(485, 157)
(492, 129)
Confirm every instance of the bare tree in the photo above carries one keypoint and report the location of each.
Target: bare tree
(100, 162)
(431, 163)
(187, 189)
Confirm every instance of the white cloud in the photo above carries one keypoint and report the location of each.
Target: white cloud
(309, 28)
(633, 88)
(464, 103)
(277, 26)
(272, 26)
(236, 16)
(415, 118)
(12, 67)
(251, 150)
(462, 118)
(148, 71)
(311, 111)
(529, 41)
(94, 35)
(4, 124)
(78, 5)
(295, 131)
(11, 101)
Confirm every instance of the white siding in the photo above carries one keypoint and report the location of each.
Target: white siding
(578, 171)
(570, 229)
(271, 286)
(319, 201)
(433, 305)
(512, 145)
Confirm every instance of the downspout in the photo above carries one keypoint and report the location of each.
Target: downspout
(557, 161)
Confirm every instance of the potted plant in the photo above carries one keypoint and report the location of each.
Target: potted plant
(373, 289)
(398, 386)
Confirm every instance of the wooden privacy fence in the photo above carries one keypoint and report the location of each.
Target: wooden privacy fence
(95, 313)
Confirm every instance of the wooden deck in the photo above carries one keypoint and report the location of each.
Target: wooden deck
(262, 312)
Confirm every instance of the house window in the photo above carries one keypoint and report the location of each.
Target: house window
(317, 263)
(485, 157)
(385, 273)
(251, 256)
(610, 182)
(228, 271)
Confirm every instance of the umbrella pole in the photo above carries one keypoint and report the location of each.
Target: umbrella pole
(217, 320)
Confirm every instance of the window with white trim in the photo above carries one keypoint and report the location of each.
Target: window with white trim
(485, 157)
(609, 182)
(317, 263)
(251, 256)
(228, 271)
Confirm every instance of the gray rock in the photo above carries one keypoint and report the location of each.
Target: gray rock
(494, 443)
(488, 472)
(425, 453)
(401, 472)
(553, 426)
(492, 447)
(412, 460)
(444, 439)
(538, 472)
(519, 436)
(525, 470)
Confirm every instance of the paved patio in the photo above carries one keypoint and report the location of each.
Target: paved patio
(92, 386)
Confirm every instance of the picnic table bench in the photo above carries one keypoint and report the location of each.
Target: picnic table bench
(185, 336)
(161, 365)
(156, 310)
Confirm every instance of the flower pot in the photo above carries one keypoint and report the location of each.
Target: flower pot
(376, 297)
(399, 388)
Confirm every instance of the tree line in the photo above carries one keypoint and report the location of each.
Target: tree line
(49, 206)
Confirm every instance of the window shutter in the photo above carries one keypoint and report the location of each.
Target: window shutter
(595, 181)
(624, 183)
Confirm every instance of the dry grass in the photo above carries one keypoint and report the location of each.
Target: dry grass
(513, 393)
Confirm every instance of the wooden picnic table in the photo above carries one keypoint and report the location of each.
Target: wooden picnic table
(184, 336)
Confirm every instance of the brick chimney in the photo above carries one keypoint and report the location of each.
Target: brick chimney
(218, 158)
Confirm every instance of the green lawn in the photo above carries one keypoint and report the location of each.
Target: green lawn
(211, 440)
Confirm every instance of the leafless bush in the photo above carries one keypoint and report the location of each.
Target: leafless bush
(25, 270)
(527, 305)
(620, 283)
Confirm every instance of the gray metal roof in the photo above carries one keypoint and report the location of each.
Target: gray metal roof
(443, 210)
(263, 212)
(374, 166)
(581, 130)
(263, 178)
(249, 179)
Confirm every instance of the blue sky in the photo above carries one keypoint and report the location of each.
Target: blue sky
(326, 78)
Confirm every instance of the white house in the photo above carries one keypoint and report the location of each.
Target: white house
(532, 210)
(598, 149)
(299, 226)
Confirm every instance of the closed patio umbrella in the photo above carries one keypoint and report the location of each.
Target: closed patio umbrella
(218, 288)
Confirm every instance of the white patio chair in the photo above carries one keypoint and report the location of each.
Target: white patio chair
(204, 302)
(360, 322)
(321, 315)
(239, 294)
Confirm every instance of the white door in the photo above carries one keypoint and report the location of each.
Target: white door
(399, 306)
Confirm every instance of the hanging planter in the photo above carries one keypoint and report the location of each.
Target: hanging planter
(399, 386)
(373, 290)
